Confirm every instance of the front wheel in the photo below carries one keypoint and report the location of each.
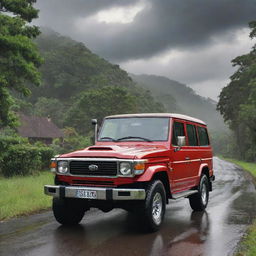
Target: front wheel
(67, 211)
(199, 201)
(153, 209)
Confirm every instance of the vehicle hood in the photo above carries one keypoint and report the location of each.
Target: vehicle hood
(121, 151)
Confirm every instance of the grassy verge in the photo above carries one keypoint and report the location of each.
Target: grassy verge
(23, 195)
(248, 245)
(250, 167)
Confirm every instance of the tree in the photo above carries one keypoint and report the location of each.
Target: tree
(237, 101)
(98, 103)
(50, 107)
(19, 58)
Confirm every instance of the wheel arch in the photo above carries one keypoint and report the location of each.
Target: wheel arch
(163, 177)
(204, 169)
(159, 172)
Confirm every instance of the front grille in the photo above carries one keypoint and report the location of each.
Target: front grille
(105, 168)
(93, 182)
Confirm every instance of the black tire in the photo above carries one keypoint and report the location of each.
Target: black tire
(67, 211)
(199, 201)
(153, 208)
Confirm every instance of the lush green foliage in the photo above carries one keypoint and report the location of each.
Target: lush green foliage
(83, 85)
(50, 107)
(23, 195)
(237, 102)
(19, 58)
(99, 103)
(72, 141)
(18, 157)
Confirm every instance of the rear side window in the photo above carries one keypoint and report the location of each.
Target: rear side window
(192, 136)
(203, 136)
(178, 130)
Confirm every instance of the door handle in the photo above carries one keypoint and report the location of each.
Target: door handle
(187, 158)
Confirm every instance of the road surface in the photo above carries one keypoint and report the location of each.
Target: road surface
(215, 232)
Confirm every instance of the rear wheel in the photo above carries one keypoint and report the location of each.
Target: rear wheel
(153, 208)
(68, 211)
(199, 201)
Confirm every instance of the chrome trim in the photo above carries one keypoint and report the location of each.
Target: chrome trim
(191, 160)
(180, 162)
(70, 192)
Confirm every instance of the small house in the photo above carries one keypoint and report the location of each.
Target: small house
(37, 128)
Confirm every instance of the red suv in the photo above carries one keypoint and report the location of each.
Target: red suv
(138, 163)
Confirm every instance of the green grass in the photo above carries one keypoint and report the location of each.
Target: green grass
(250, 167)
(24, 195)
(248, 245)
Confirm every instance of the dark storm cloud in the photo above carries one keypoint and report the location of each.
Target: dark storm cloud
(65, 11)
(162, 25)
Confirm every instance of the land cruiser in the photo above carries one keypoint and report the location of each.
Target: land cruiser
(138, 163)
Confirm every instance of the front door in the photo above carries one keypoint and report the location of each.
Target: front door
(181, 175)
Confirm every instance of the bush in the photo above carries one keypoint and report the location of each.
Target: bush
(20, 159)
(46, 154)
(72, 141)
(6, 141)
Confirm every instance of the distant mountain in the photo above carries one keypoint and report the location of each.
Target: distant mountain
(177, 97)
(69, 71)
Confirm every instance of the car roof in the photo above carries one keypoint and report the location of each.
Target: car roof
(171, 115)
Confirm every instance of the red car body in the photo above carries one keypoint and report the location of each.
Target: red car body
(179, 168)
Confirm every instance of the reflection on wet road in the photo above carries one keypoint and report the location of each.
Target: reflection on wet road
(215, 232)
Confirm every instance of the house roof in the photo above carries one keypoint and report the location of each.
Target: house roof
(38, 127)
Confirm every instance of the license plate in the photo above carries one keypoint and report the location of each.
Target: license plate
(89, 194)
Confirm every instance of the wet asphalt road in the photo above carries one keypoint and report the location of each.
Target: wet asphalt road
(215, 232)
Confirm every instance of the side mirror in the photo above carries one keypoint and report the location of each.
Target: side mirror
(95, 123)
(181, 141)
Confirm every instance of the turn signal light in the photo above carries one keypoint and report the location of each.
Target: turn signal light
(139, 166)
(53, 164)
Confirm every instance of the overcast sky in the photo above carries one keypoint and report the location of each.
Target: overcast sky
(191, 41)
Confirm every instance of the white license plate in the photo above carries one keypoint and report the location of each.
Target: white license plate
(89, 194)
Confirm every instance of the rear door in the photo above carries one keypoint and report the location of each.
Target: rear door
(193, 152)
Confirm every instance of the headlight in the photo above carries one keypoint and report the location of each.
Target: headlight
(63, 167)
(126, 169)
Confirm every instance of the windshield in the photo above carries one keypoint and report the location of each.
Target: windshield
(135, 129)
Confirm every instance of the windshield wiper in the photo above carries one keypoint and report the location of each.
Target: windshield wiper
(134, 137)
(107, 138)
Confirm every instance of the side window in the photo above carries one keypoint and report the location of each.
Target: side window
(192, 136)
(203, 136)
(178, 130)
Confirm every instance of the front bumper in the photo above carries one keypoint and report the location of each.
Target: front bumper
(102, 193)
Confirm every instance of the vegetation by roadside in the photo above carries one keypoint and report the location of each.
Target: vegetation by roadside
(23, 195)
(248, 245)
(250, 167)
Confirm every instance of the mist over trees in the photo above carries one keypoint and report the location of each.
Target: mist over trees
(237, 102)
(78, 85)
